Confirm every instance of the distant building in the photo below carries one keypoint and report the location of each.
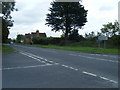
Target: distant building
(28, 37)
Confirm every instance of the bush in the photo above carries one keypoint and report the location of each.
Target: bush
(42, 41)
(114, 41)
(46, 41)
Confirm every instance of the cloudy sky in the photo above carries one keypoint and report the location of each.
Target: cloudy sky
(32, 14)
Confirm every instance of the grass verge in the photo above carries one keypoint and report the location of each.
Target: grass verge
(80, 49)
(7, 49)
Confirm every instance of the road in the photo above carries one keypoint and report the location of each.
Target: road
(32, 67)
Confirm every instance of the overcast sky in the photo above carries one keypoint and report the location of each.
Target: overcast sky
(32, 14)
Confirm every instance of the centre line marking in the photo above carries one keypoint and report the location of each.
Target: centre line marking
(65, 65)
(50, 61)
(89, 73)
(108, 79)
(26, 67)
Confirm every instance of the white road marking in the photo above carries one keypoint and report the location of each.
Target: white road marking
(47, 64)
(56, 63)
(73, 68)
(95, 58)
(36, 57)
(65, 65)
(89, 73)
(104, 55)
(104, 78)
(76, 69)
(69, 67)
(108, 79)
(45, 59)
(50, 61)
(26, 67)
(32, 57)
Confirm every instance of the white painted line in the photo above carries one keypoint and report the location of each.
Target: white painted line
(99, 59)
(89, 73)
(45, 59)
(36, 57)
(108, 79)
(56, 63)
(96, 58)
(49, 64)
(65, 65)
(103, 78)
(70, 67)
(113, 81)
(73, 68)
(32, 57)
(76, 69)
(26, 67)
(50, 61)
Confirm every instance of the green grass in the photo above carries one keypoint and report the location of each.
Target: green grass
(80, 49)
(7, 49)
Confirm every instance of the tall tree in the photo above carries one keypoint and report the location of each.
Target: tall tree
(7, 22)
(66, 16)
(110, 29)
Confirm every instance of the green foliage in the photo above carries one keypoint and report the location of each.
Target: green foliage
(20, 38)
(5, 31)
(110, 29)
(90, 35)
(74, 35)
(114, 41)
(66, 16)
(7, 8)
(46, 41)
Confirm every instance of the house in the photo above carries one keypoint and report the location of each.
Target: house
(28, 37)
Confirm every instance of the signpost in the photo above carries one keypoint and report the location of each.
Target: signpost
(102, 38)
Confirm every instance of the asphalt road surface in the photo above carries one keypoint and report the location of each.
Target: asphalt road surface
(32, 67)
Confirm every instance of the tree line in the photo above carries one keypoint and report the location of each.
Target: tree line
(68, 17)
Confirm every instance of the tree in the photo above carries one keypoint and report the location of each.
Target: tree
(7, 8)
(90, 35)
(74, 35)
(20, 38)
(110, 29)
(66, 16)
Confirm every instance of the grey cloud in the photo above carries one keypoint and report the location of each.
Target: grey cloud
(31, 14)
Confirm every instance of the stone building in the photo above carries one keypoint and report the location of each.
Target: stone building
(28, 37)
